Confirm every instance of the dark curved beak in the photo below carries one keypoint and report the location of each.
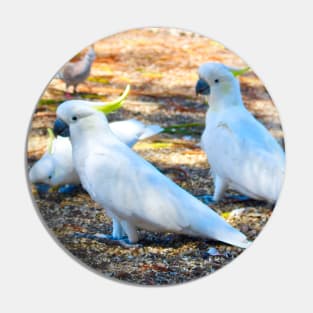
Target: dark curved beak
(60, 128)
(202, 87)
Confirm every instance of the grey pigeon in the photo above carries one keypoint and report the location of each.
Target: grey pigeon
(75, 73)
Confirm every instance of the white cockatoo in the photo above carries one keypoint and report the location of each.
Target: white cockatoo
(242, 153)
(56, 167)
(74, 73)
(132, 191)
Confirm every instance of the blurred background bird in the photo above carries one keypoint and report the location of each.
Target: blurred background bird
(74, 73)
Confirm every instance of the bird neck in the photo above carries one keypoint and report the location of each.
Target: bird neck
(228, 96)
(88, 59)
(91, 129)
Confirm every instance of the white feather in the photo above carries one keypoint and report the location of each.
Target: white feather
(131, 131)
(55, 167)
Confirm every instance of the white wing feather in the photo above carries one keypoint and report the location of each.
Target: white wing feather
(64, 171)
(148, 199)
(242, 151)
(130, 131)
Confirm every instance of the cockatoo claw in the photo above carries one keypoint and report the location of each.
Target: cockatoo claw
(126, 244)
(109, 239)
(123, 241)
(68, 189)
(42, 188)
(207, 199)
(238, 198)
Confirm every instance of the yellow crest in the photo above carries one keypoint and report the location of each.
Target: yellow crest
(108, 107)
(51, 138)
(238, 71)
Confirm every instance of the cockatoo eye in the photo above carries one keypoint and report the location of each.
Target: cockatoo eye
(50, 176)
(74, 118)
(216, 81)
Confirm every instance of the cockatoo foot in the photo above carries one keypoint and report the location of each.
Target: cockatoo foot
(97, 236)
(124, 242)
(207, 199)
(68, 189)
(237, 198)
(109, 237)
(127, 244)
(42, 188)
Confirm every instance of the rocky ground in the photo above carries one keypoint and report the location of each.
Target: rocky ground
(161, 67)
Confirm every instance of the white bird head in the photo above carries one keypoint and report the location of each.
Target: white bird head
(218, 81)
(82, 113)
(77, 114)
(54, 168)
(51, 171)
(42, 171)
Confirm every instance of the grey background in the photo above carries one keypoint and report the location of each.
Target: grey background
(275, 273)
